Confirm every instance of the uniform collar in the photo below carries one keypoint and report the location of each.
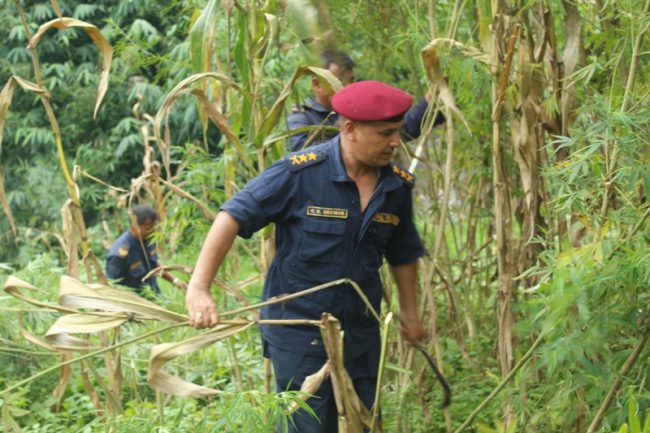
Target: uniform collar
(314, 105)
(338, 173)
(337, 169)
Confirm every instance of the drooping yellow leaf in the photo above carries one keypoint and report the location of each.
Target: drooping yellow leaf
(187, 86)
(311, 384)
(163, 353)
(326, 78)
(105, 48)
(74, 294)
(431, 61)
(83, 324)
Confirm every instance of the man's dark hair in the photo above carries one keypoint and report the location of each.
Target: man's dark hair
(143, 213)
(338, 57)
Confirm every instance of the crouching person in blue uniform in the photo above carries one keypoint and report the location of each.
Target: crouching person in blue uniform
(133, 255)
(339, 208)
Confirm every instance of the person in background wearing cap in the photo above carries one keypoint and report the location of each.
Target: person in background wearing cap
(133, 255)
(339, 208)
(317, 110)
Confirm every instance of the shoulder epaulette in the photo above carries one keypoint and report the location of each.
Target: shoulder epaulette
(299, 160)
(123, 250)
(406, 177)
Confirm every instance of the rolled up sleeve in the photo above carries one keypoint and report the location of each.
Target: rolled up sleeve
(264, 200)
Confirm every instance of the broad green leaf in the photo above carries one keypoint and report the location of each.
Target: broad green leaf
(202, 36)
(632, 415)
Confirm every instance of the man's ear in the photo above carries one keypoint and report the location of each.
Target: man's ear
(315, 84)
(349, 129)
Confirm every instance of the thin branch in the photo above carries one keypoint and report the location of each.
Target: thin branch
(524, 359)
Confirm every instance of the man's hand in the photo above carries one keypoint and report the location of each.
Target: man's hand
(201, 308)
(412, 330)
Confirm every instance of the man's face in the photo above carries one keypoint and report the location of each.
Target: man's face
(324, 93)
(145, 229)
(346, 76)
(373, 143)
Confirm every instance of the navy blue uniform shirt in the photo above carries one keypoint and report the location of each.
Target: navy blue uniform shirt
(311, 113)
(127, 262)
(321, 235)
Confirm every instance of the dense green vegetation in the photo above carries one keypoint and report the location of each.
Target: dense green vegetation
(532, 200)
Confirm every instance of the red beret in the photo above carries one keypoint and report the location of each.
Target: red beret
(370, 101)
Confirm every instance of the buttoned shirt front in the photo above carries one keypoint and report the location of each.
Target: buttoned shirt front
(127, 262)
(321, 236)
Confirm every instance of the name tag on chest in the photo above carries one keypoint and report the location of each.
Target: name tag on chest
(327, 212)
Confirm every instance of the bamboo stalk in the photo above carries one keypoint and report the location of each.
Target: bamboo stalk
(629, 362)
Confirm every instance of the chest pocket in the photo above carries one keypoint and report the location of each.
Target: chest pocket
(380, 234)
(137, 269)
(323, 241)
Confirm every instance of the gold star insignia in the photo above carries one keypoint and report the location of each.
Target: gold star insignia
(295, 160)
(123, 252)
(403, 174)
(312, 156)
(303, 158)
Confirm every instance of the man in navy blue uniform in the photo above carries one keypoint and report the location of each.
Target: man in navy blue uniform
(317, 110)
(133, 255)
(339, 208)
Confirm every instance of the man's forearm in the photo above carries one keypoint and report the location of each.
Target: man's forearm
(407, 287)
(217, 244)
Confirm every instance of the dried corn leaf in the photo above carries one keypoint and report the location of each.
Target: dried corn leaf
(5, 203)
(328, 79)
(57, 9)
(163, 353)
(83, 324)
(5, 102)
(14, 286)
(105, 48)
(64, 377)
(75, 294)
(311, 384)
(353, 415)
(432, 65)
(188, 86)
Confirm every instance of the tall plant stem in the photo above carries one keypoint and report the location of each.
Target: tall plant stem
(90, 355)
(631, 76)
(617, 384)
(524, 359)
(48, 108)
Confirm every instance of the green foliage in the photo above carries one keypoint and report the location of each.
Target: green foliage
(589, 295)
